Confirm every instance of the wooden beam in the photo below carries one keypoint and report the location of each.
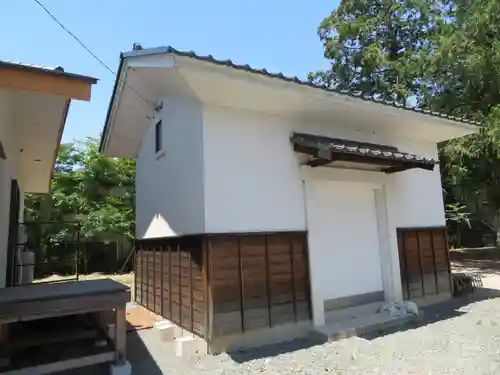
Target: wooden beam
(407, 166)
(318, 162)
(30, 80)
(391, 165)
(400, 168)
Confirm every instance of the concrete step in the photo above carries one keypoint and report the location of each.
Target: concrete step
(333, 316)
(361, 325)
(189, 346)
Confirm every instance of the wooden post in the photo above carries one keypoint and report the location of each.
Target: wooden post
(162, 286)
(120, 335)
(206, 288)
(292, 271)
(135, 272)
(268, 282)
(180, 282)
(421, 262)
(242, 290)
(436, 276)
(146, 278)
(4, 340)
(171, 314)
(405, 261)
(447, 254)
(190, 252)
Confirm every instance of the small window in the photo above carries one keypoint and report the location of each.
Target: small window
(158, 143)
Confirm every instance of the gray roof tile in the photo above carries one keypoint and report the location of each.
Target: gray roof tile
(58, 70)
(349, 147)
(354, 94)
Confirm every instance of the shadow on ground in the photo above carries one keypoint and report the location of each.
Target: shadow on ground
(485, 260)
(138, 354)
(433, 314)
(272, 350)
(442, 311)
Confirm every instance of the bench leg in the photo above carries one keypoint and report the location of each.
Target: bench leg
(4, 341)
(120, 335)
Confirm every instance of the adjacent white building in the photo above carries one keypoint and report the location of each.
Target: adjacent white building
(34, 103)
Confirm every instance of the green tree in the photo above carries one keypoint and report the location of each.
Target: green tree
(440, 54)
(467, 83)
(458, 215)
(87, 187)
(380, 47)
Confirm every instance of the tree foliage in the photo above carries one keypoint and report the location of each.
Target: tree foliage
(439, 54)
(380, 47)
(89, 188)
(467, 83)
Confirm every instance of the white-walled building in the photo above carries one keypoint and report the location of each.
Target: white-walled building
(34, 103)
(226, 151)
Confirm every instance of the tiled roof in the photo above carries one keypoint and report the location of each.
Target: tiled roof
(348, 147)
(58, 70)
(50, 68)
(139, 51)
(354, 94)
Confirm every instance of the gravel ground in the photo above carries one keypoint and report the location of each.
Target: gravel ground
(459, 337)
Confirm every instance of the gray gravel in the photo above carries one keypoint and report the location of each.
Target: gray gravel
(462, 340)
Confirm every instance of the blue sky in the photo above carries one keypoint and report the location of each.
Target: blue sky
(278, 35)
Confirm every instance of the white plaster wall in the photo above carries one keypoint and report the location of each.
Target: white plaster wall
(169, 189)
(252, 178)
(414, 197)
(252, 174)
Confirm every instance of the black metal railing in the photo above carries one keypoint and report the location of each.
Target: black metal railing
(62, 253)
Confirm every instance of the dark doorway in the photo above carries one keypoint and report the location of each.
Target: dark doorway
(15, 205)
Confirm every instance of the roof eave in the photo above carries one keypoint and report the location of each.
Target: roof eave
(457, 126)
(52, 72)
(105, 131)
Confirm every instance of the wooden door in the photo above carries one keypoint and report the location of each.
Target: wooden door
(424, 261)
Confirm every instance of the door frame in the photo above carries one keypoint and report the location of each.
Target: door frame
(376, 181)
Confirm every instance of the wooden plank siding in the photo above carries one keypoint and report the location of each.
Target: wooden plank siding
(424, 262)
(215, 285)
(169, 280)
(257, 281)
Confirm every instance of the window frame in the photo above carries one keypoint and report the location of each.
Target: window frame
(158, 138)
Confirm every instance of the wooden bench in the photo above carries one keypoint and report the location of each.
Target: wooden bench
(55, 302)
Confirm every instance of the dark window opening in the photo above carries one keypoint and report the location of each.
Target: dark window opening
(158, 145)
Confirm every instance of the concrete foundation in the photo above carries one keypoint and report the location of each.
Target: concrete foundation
(361, 325)
(190, 346)
(165, 330)
(432, 299)
(259, 337)
(121, 369)
(187, 344)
